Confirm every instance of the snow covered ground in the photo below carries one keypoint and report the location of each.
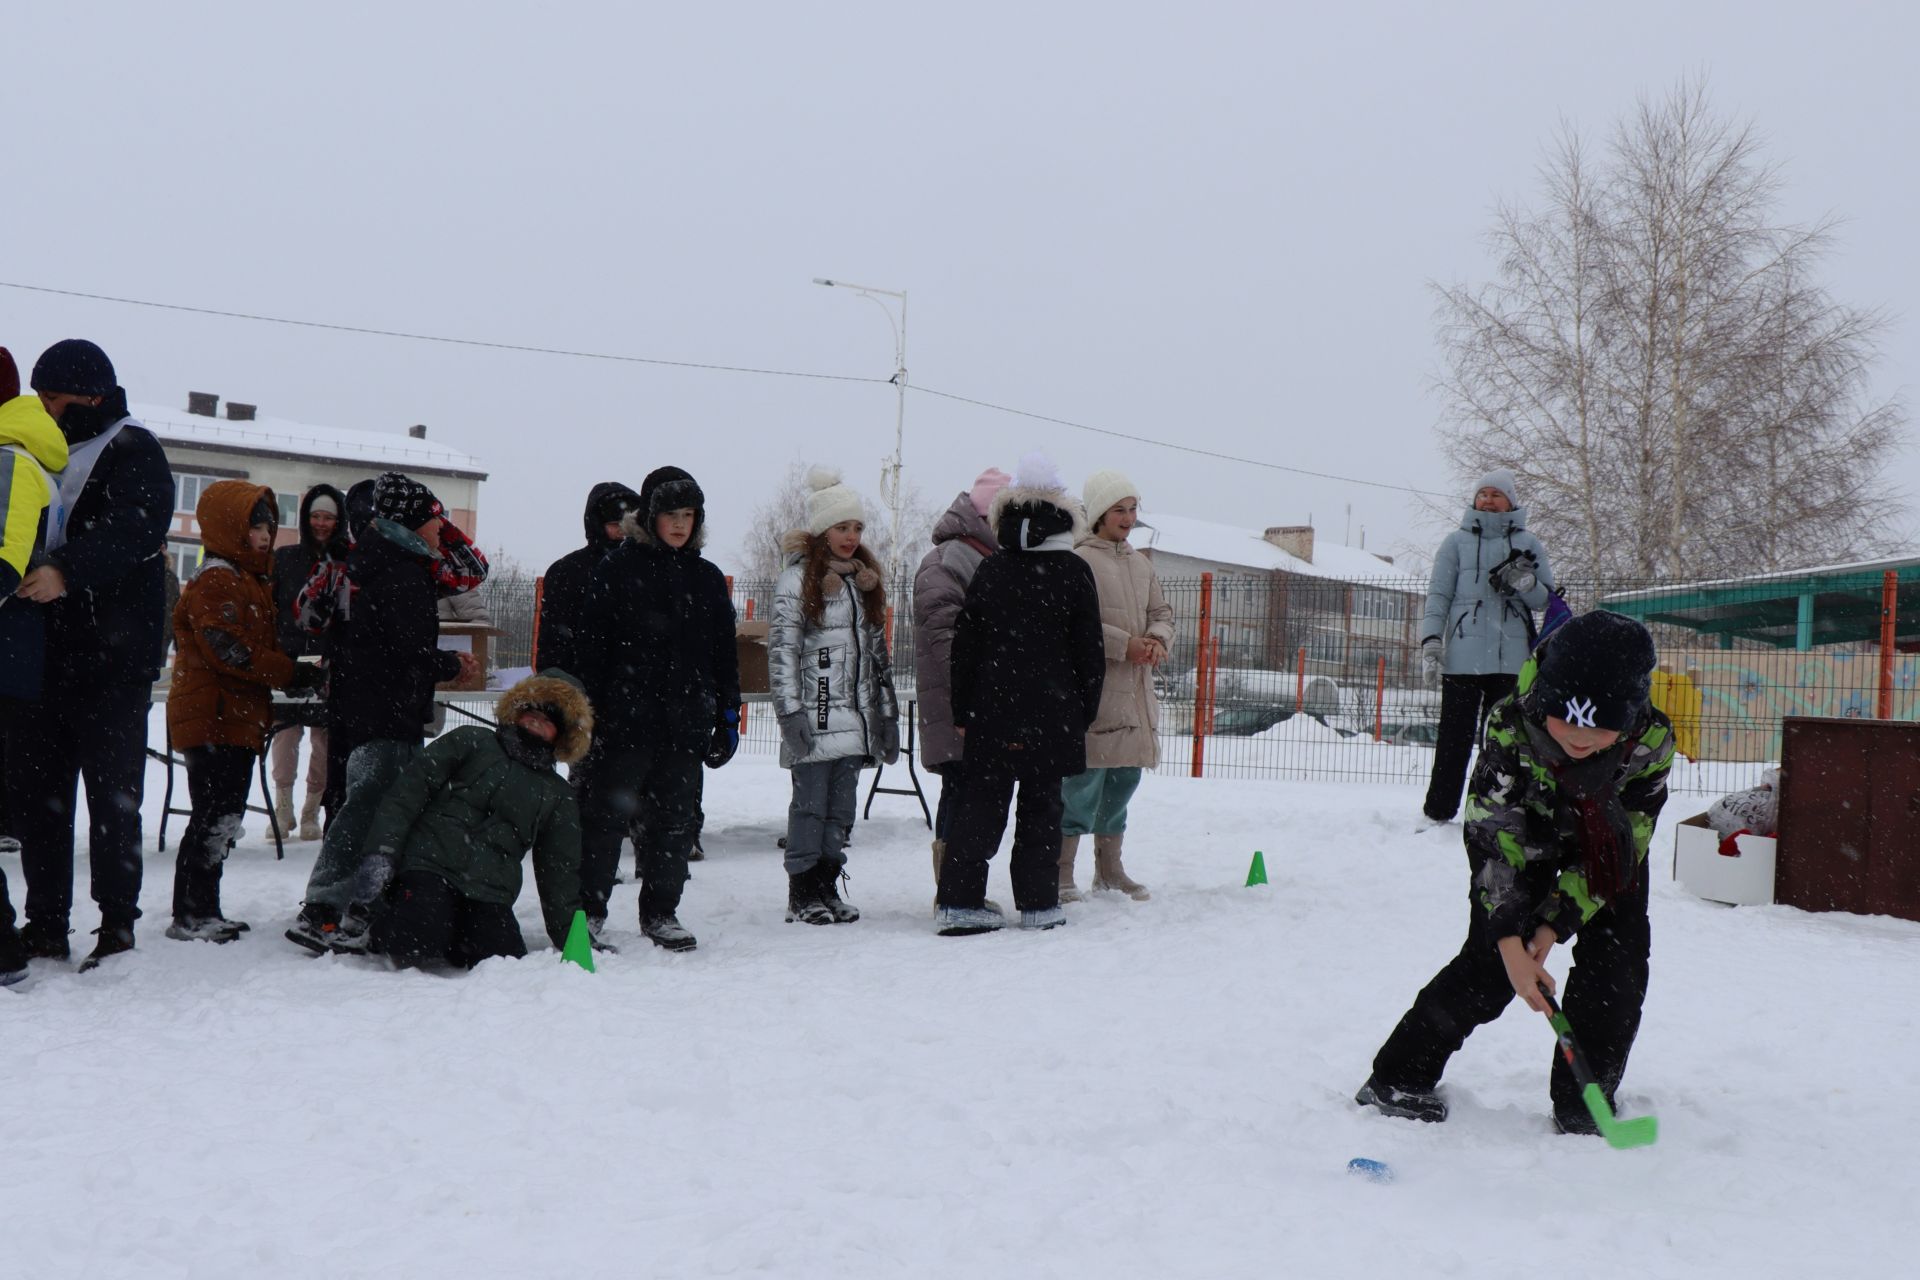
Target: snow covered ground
(1161, 1089)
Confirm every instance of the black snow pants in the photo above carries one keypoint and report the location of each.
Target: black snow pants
(425, 918)
(1602, 1001)
(98, 733)
(219, 780)
(1464, 703)
(977, 818)
(13, 956)
(652, 794)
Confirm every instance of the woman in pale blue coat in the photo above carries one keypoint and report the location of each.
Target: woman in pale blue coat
(1489, 576)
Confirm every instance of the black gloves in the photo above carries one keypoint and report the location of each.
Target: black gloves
(726, 738)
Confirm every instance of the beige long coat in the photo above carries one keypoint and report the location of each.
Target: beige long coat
(1130, 605)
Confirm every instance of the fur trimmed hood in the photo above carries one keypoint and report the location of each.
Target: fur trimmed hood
(550, 693)
(1016, 496)
(639, 529)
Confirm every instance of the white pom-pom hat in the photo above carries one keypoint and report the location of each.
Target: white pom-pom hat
(831, 502)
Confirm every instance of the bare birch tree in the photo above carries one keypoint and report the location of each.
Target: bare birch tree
(1674, 392)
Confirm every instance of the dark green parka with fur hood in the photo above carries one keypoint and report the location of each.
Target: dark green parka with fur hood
(474, 801)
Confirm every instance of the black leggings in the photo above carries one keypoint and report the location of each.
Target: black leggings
(1464, 703)
(219, 780)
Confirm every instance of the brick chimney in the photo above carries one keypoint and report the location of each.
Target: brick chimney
(1294, 539)
(237, 412)
(418, 431)
(203, 404)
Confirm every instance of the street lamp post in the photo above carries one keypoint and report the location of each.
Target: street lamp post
(891, 487)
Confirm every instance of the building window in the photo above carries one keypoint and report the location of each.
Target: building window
(289, 510)
(185, 557)
(187, 488)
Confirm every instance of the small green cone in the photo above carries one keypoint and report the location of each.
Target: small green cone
(579, 948)
(1257, 873)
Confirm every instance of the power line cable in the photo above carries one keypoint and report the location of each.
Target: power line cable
(453, 342)
(1183, 448)
(531, 349)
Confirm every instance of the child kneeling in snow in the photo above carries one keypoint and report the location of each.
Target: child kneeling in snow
(450, 833)
(832, 689)
(1571, 778)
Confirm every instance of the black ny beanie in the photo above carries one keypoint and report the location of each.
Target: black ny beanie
(74, 367)
(1595, 672)
(403, 500)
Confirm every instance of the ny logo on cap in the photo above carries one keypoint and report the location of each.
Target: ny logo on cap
(1580, 714)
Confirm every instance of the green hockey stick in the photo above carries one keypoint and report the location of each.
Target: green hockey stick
(1620, 1134)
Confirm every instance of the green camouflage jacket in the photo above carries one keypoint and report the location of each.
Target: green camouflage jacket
(1522, 826)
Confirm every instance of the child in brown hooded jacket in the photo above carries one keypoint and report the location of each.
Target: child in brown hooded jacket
(226, 662)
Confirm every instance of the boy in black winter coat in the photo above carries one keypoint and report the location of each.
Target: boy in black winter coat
(1029, 661)
(563, 589)
(657, 654)
(103, 588)
(1571, 779)
(385, 660)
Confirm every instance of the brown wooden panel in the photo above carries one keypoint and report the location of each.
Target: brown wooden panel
(1850, 816)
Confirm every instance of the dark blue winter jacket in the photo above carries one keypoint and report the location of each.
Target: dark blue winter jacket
(109, 628)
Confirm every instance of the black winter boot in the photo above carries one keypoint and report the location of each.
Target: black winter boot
(1406, 1104)
(661, 925)
(45, 940)
(844, 912)
(113, 939)
(806, 900)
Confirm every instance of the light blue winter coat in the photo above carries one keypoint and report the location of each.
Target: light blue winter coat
(1483, 630)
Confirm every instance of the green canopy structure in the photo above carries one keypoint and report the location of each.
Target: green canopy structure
(1800, 609)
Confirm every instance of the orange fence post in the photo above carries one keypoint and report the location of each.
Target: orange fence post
(1889, 607)
(1300, 687)
(1200, 676)
(749, 608)
(539, 592)
(1380, 702)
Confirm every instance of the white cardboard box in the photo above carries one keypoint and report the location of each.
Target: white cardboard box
(1745, 880)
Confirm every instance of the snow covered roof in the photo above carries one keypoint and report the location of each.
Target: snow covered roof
(1248, 548)
(282, 437)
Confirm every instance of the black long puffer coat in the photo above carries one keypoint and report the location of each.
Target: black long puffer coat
(1028, 654)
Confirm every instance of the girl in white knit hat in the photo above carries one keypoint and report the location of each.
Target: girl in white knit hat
(832, 690)
(1136, 624)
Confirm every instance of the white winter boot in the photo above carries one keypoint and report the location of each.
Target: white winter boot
(283, 811)
(310, 818)
(1109, 874)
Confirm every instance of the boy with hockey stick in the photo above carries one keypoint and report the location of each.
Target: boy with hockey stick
(1570, 781)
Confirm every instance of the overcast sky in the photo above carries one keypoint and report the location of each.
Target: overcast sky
(1212, 225)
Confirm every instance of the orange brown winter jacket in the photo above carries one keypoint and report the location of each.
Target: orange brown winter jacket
(226, 657)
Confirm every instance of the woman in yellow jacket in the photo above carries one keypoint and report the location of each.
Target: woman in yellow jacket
(32, 454)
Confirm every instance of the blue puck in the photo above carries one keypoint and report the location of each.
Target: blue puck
(1371, 1170)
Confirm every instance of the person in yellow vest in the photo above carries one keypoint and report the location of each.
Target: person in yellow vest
(32, 454)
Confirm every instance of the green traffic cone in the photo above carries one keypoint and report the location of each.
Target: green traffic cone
(579, 948)
(1257, 873)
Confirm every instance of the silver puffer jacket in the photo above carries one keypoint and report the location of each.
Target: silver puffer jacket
(838, 673)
